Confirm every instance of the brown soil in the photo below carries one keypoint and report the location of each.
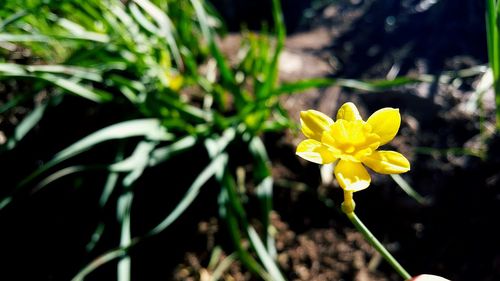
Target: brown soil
(315, 255)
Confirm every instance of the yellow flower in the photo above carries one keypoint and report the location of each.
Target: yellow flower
(352, 142)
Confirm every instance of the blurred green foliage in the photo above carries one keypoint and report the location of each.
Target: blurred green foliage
(163, 59)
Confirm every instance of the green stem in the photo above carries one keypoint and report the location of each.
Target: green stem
(378, 246)
(493, 41)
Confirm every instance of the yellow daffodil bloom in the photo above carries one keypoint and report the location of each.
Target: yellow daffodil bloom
(353, 143)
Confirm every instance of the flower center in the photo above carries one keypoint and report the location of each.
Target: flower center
(351, 140)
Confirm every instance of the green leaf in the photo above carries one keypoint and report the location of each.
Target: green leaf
(219, 162)
(99, 261)
(165, 27)
(373, 86)
(13, 18)
(94, 37)
(75, 88)
(28, 123)
(96, 237)
(138, 162)
(264, 189)
(264, 256)
(13, 69)
(406, 187)
(228, 211)
(271, 68)
(79, 31)
(111, 180)
(218, 145)
(17, 99)
(109, 187)
(162, 154)
(123, 210)
(147, 128)
(228, 77)
(493, 43)
(369, 86)
(60, 174)
(302, 85)
(393, 83)
(222, 267)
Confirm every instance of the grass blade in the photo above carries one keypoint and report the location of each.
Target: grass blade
(89, 36)
(98, 262)
(271, 68)
(409, 190)
(264, 256)
(165, 25)
(66, 84)
(138, 161)
(217, 146)
(228, 77)
(369, 86)
(60, 174)
(162, 154)
(17, 99)
(28, 123)
(493, 41)
(96, 237)
(213, 168)
(231, 211)
(13, 18)
(264, 189)
(148, 128)
(222, 267)
(75, 88)
(303, 85)
(123, 215)
(109, 187)
(111, 181)
(90, 74)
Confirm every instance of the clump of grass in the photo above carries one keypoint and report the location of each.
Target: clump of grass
(160, 58)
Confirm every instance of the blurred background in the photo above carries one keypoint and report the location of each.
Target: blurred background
(155, 139)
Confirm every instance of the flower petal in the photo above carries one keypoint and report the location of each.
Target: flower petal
(314, 123)
(348, 111)
(428, 277)
(314, 151)
(352, 176)
(385, 123)
(387, 162)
